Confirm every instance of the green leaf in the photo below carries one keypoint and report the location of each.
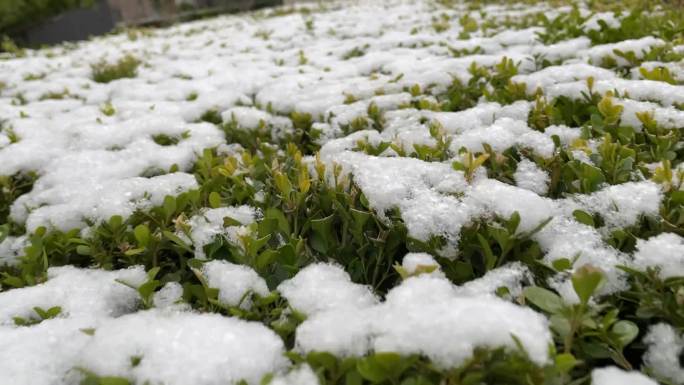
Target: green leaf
(12, 281)
(113, 381)
(560, 325)
(152, 273)
(277, 214)
(513, 223)
(565, 362)
(625, 331)
(132, 252)
(586, 280)
(169, 206)
(266, 258)
(322, 359)
(4, 231)
(228, 222)
(142, 235)
(382, 366)
(176, 240)
(147, 289)
(562, 264)
(490, 259)
(53, 312)
(353, 378)
(543, 299)
(115, 221)
(583, 217)
(323, 237)
(83, 250)
(214, 200)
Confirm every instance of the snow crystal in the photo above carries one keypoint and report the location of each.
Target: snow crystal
(597, 53)
(419, 189)
(503, 134)
(566, 73)
(303, 375)
(234, 282)
(332, 285)
(169, 295)
(504, 200)
(183, 348)
(664, 251)
(592, 24)
(530, 177)
(615, 376)
(665, 346)
(11, 249)
(511, 276)
(415, 305)
(619, 205)
(67, 207)
(45, 353)
(667, 117)
(208, 224)
(415, 262)
(79, 292)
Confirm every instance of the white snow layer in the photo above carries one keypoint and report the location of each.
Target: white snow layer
(664, 251)
(665, 346)
(615, 376)
(234, 282)
(425, 302)
(99, 331)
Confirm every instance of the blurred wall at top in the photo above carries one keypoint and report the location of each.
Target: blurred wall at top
(105, 15)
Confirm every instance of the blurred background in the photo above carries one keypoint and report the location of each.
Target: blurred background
(38, 22)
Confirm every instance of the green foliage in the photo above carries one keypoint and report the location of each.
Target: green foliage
(586, 330)
(42, 315)
(11, 187)
(492, 84)
(486, 366)
(126, 67)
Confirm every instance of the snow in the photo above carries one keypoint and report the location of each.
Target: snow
(168, 296)
(640, 90)
(183, 348)
(176, 347)
(303, 375)
(512, 276)
(79, 292)
(419, 189)
(664, 251)
(66, 206)
(597, 53)
(49, 350)
(234, 282)
(206, 226)
(11, 248)
(503, 134)
(665, 346)
(592, 24)
(414, 305)
(619, 205)
(530, 177)
(615, 376)
(565, 73)
(667, 117)
(421, 263)
(333, 287)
